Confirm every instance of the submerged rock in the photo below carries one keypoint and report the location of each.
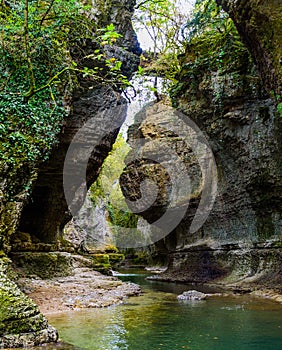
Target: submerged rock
(192, 295)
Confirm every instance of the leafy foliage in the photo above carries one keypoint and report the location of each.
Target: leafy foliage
(212, 37)
(37, 69)
(206, 14)
(27, 133)
(35, 40)
(162, 20)
(279, 109)
(213, 46)
(108, 188)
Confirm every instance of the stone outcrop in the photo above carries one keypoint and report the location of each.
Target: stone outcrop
(240, 242)
(163, 156)
(31, 212)
(260, 25)
(192, 295)
(91, 230)
(35, 221)
(104, 109)
(21, 323)
(48, 196)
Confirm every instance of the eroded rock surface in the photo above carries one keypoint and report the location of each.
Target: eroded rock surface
(21, 323)
(44, 213)
(260, 25)
(85, 288)
(240, 242)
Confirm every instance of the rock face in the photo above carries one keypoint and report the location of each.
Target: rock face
(241, 239)
(192, 295)
(46, 212)
(21, 323)
(91, 229)
(103, 109)
(90, 101)
(48, 197)
(260, 25)
(164, 157)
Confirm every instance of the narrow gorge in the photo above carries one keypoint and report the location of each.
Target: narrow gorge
(219, 226)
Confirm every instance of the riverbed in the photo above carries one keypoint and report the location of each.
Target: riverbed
(158, 321)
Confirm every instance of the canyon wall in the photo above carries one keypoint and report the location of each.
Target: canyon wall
(31, 222)
(240, 242)
(260, 25)
(104, 108)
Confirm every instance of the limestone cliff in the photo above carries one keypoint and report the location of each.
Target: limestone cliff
(241, 240)
(107, 110)
(43, 213)
(260, 25)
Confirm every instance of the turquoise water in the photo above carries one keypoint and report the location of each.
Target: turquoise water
(157, 321)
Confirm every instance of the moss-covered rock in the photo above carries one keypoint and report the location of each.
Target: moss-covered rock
(219, 89)
(101, 263)
(32, 187)
(260, 25)
(115, 259)
(111, 249)
(44, 265)
(9, 219)
(21, 322)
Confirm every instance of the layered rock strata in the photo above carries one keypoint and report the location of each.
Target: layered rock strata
(240, 242)
(44, 213)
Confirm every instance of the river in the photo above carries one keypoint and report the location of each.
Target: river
(157, 321)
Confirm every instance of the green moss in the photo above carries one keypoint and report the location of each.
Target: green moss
(279, 109)
(277, 244)
(101, 263)
(9, 215)
(100, 259)
(44, 265)
(111, 249)
(18, 313)
(140, 258)
(115, 259)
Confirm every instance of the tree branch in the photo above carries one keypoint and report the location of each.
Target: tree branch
(142, 3)
(104, 80)
(27, 50)
(47, 12)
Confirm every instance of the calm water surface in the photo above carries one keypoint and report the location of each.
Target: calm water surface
(157, 321)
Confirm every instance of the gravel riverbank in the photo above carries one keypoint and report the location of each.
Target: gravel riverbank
(86, 288)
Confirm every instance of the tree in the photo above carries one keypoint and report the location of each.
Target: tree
(43, 53)
(47, 32)
(162, 20)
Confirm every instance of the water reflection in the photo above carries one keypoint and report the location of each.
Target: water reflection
(156, 320)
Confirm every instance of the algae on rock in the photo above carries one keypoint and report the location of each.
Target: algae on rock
(21, 323)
